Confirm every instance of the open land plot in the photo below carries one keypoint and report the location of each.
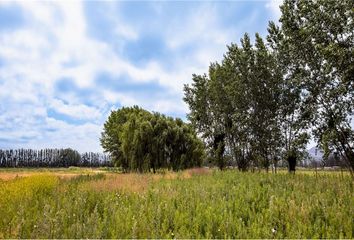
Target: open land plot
(12, 173)
(198, 203)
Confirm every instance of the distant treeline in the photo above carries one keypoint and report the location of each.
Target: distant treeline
(52, 158)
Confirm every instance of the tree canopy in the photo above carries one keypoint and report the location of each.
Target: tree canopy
(319, 37)
(261, 102)
(142, 141)
(236, 106)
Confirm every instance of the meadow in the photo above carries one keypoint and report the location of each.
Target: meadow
(197, 203)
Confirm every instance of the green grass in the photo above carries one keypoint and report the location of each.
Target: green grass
(218, 205)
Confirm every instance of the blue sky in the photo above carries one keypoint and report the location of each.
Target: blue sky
(65, 65)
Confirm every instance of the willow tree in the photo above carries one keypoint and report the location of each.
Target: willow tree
(142, 141)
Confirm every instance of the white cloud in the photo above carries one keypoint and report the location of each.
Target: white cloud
(202, 26)
(83, 137)
(123, 99)
(273, 6)
(79, 111)
(170, 106)
(55, 34)
(34, 62)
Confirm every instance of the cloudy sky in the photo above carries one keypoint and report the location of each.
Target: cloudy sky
(65, 65)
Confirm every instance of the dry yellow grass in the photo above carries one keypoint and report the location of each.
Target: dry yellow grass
(198, 171)
(131, 182)
(6, 176)
(127, 182)
(134, 182)
(12, 175)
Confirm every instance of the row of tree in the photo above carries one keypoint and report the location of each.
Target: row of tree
(142, 141)
(52, 158)
(264, 100)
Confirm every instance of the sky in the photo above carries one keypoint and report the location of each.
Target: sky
(65, 65)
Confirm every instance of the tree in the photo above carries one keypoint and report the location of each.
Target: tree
(293, 119)
(319, 36)
(69, 157)
(143, 141)
(265, 92)
(110, 137)
(235, 108)
(51, 158)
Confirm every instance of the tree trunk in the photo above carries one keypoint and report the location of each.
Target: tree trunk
(292, 162)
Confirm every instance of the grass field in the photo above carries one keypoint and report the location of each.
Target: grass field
(198, 203)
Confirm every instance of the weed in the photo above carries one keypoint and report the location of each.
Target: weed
(190, 204)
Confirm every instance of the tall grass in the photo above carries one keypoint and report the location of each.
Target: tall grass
(219, 205)
(20, 200)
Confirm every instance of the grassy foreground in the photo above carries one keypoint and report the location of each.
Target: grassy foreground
(191, 204)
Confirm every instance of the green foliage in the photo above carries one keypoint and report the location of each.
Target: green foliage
(316, 40)
(261, 101)
(69, 157)
(141, 141)
(226, 204)
(236, 107)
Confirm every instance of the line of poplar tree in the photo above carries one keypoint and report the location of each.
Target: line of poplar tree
(265, 100)
(52, 158)
(141, 141)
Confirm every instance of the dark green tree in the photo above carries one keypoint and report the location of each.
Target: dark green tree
(142, 141)
(69, 157)
(293, 116)
(236, 107)
(319, 36)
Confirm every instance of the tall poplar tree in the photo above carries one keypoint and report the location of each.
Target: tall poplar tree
(319, 36)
